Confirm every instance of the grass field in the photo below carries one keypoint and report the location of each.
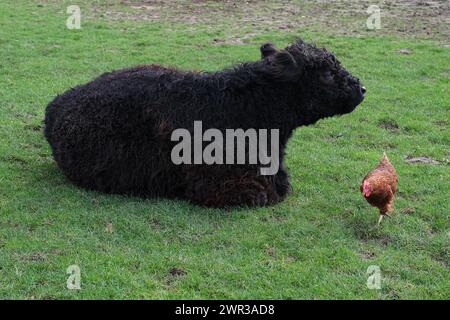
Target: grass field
(316, 244)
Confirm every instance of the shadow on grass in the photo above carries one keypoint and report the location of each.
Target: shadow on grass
(367, 230)
(47, 175)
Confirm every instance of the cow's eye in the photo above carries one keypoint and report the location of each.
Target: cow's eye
(326, 77)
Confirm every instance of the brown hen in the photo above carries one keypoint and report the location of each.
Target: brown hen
(379, 187)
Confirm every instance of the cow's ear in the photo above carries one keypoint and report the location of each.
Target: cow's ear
(283, 66)
(268, 49)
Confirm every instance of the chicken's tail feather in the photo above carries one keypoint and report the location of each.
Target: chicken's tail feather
(385, 157)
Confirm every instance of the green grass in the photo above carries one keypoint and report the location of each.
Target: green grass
(316, 244)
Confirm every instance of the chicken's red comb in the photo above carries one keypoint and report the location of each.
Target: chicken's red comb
(367, 189)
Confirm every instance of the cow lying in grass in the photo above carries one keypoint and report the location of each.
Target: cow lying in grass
(114, 134)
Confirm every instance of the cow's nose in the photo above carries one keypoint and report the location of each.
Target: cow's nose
(363, 90)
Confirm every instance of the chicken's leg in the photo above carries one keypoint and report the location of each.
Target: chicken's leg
(380, 219)
(384, 212)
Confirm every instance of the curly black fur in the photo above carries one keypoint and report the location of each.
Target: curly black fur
(113, 134)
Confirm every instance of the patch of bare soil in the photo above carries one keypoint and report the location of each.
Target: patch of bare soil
(426, 160)
(176, 272)
(389, 124)
(418, 18)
